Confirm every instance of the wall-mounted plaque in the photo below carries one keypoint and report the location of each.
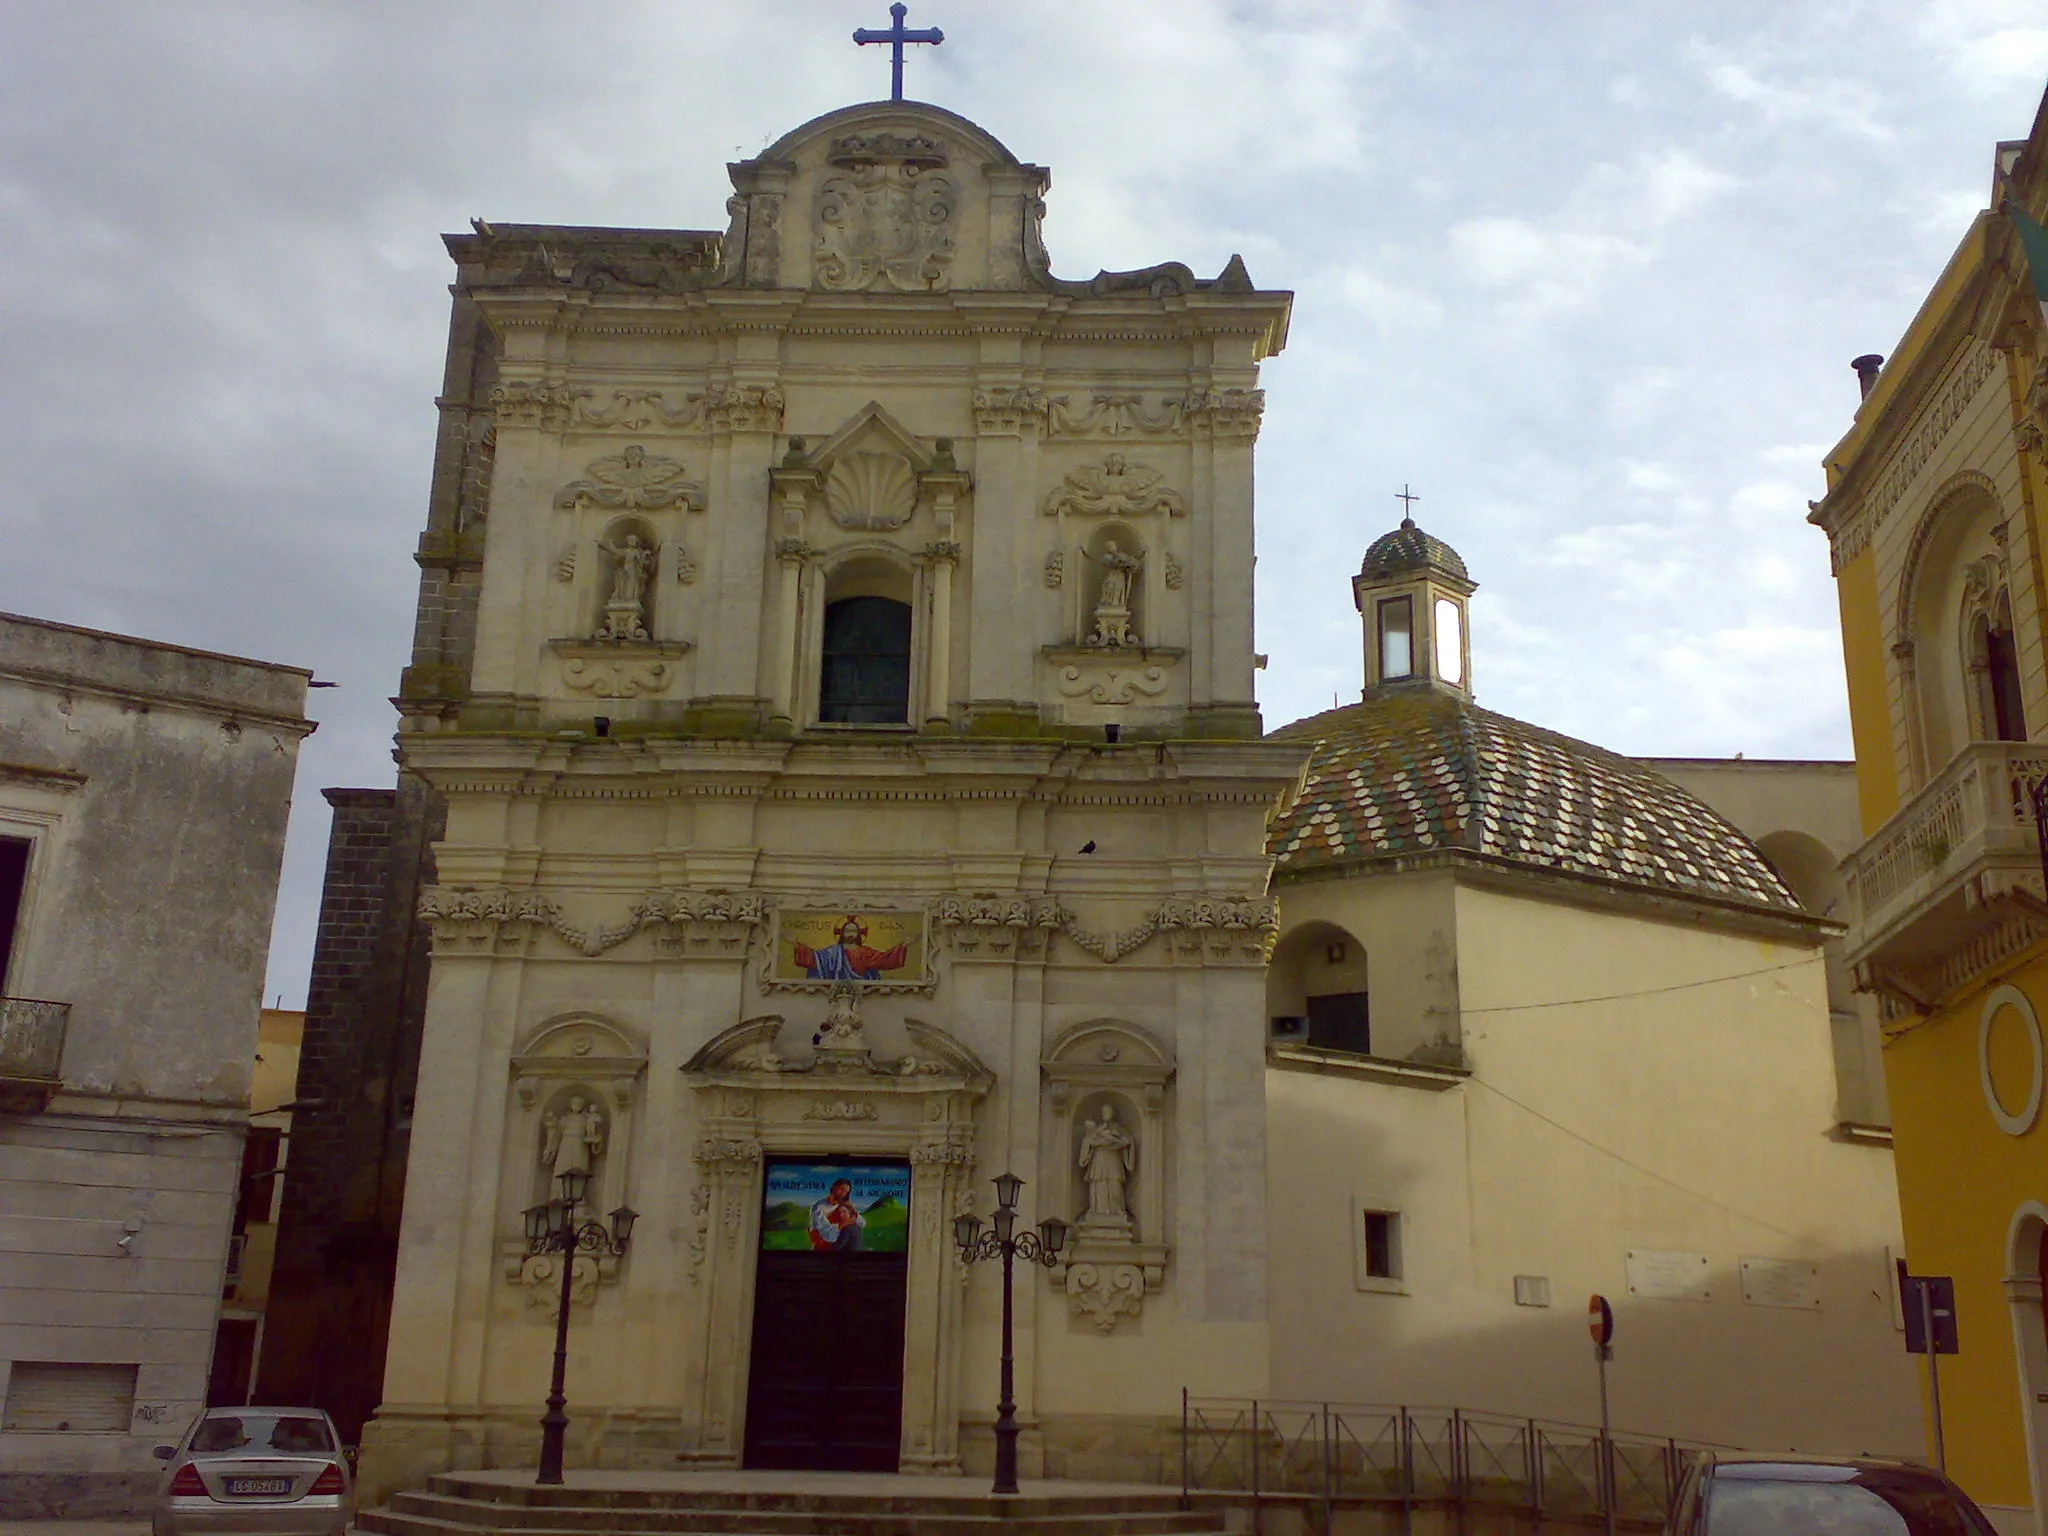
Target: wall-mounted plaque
(1660, 1275)
(1781, 1283)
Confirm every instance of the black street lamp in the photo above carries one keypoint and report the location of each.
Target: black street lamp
(553, 1228)
(1008, 1244)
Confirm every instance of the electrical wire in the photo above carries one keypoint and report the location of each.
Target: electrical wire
(1630, 1163)
(1615, 997)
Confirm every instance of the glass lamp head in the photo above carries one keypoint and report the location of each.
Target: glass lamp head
(966, 1229)
(622, 1226)
(536, 1222)
(575, 1183)
(1053, 1233)
(1008, 1186)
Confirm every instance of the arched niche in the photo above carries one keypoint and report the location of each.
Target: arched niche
(1954, 570)
(1091, 1070)
(2026, 1292)
(1105, 555)
(1317, 989)
(580, 1072)
(622, 539)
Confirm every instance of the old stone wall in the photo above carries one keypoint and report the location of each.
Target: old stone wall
(338, 1229)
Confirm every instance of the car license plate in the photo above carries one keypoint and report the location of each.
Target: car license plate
(259, 1485)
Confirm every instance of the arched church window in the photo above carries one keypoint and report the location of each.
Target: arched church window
(865, 676)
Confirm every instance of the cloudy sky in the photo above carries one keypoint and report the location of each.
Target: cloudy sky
(1587, 276)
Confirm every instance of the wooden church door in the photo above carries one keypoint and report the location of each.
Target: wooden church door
(825, 1386)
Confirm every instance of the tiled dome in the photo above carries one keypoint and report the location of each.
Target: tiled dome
(1408, 548)
(1416, 772)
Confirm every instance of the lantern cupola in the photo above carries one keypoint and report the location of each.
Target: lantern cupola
(1412, 593)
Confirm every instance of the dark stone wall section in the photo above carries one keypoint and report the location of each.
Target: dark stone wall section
(329, 1311)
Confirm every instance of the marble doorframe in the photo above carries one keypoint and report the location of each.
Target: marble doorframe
(752, 1105)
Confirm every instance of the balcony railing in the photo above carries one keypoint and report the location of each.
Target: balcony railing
(31, 1052)
(1948, 873)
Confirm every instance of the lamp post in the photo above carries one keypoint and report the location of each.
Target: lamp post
(1005, 1242)
(553, 1228)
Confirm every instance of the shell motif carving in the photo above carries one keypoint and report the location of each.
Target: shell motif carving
(871, 491)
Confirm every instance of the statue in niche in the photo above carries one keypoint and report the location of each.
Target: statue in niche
(625, 612)
(572, 1141)
(1106, 1159)
(1113, 599)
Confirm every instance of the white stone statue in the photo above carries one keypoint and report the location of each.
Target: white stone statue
(1108, 1154)
(625, 612)
(573, 1140)
(1113, 599)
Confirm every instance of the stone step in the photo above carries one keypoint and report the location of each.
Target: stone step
(428, 1516)
(453, 1506)
(889, 1495)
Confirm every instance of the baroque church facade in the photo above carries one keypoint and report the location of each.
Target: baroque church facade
(831, 752)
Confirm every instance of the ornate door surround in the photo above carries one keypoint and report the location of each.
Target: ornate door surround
(752, 1103)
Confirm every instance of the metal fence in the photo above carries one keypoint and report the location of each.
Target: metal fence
(1317, 1456)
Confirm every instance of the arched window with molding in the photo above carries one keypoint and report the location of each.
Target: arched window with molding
(864, 662)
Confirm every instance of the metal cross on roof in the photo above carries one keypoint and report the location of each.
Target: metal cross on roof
(1407, 498)
(896, 37)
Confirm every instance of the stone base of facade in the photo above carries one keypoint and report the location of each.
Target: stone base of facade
(76, 1495)
(403, 1447)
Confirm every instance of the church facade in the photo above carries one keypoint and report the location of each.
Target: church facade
(831, 711)
(842, 706)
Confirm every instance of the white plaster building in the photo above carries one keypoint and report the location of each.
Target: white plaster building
(143, 796)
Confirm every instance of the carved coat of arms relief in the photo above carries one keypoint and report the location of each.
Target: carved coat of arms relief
(885, 216)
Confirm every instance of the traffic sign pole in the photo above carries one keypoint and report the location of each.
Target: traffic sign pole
(1933, 1374)
(1600, 1323)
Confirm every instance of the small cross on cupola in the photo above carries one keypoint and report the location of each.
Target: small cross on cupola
(1412, 592)
(896, 36)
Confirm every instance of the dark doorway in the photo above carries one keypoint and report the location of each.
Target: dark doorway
(825, 1388)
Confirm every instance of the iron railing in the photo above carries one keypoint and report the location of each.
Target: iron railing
(1317, 1457)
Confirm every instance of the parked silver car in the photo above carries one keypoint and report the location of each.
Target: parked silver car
(1761, 1494)
(256, 1472)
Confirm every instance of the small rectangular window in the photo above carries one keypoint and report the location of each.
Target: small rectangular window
(14, 856)
(1377, 1232)
(1397, 637)
(51, 1396)
(1340, 1021)
(1532, 1290)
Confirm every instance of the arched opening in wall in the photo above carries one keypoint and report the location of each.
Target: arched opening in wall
(1317, 992)
(2026, 1288)
(1956, 574)
(865, 649)
(1995, 669)
(1813, 875)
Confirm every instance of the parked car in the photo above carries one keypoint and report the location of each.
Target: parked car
(1761, 1494)
(256, 1472)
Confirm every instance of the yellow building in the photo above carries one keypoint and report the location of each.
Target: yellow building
(1934, 515)
(238, 1336)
